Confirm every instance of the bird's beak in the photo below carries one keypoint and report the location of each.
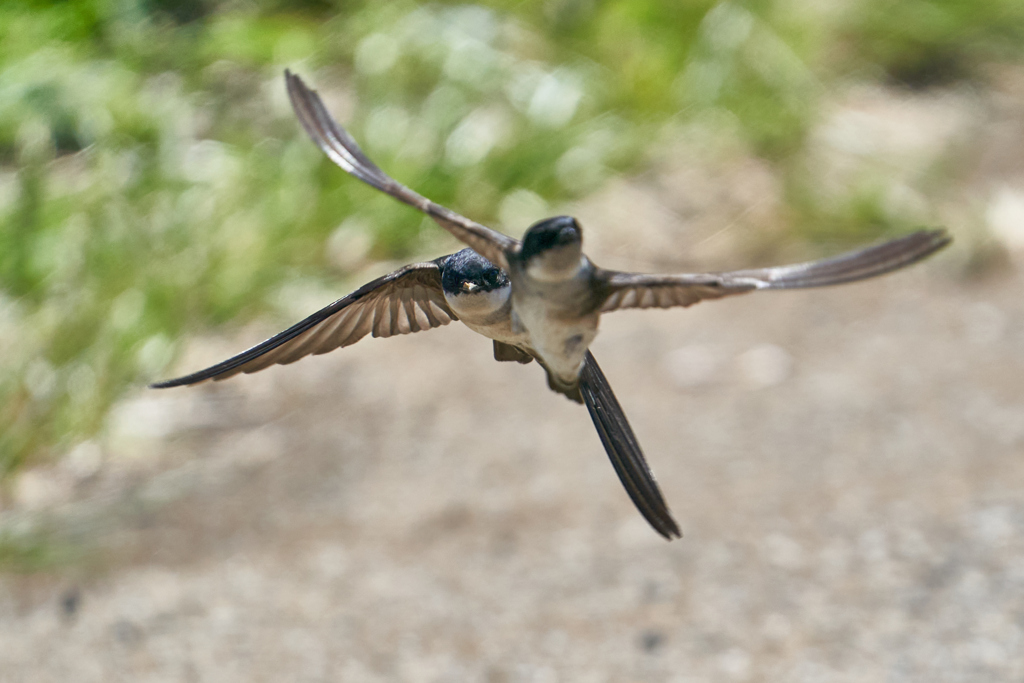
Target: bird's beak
(469, 286)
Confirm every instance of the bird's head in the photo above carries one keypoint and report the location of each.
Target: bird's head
(552, 248)
(473, 285)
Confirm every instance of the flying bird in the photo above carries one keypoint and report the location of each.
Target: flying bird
(558, 294)
(539, 299)
(467, 287)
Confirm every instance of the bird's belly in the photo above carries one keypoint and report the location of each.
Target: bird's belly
(561, 343)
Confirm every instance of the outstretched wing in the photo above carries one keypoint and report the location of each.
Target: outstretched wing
(337, 144)
(408, 300)
(636, 290)
(623, 449)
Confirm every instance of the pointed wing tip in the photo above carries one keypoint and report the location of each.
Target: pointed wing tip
(935, 238)
(926, 242)
(214, 373)
(940, 237)
(294, 84)
(297, 88)
(188, 380)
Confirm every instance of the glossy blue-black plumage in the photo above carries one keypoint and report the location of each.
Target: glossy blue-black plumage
(469, 266)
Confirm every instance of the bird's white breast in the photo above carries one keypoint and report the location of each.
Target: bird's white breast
(550, 314)
(488, 314)
(478, 306)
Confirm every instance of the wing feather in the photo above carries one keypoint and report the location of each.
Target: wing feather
(419, 299)
(363, 327)
(637, 290)
(382, 318)
(407, 300)
(342, 149)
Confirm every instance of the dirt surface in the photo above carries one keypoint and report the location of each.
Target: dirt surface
(846, 465)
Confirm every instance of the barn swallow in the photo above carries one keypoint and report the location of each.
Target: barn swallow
(557, 293)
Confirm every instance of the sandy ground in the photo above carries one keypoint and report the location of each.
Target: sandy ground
(846, 465)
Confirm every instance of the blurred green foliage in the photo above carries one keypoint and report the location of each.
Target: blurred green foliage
(921, 43)
(153, 179)
(37, 550)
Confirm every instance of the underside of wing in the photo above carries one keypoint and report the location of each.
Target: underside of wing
(408, 300)
(624, 450)
(859, 264)
(339, 146)
(635, 290)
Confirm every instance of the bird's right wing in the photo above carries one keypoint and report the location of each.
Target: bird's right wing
(623, 449)
(408, 300)
(337, 144)
(637, 290)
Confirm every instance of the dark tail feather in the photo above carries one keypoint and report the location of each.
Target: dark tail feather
(624, 450)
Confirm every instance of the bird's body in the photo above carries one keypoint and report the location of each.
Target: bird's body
(558, 321)
(503, 313)
(467, 287)
(540, 299)
(556, 299)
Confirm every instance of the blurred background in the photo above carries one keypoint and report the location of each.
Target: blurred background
(846, 464)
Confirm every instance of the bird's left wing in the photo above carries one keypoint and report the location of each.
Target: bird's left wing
(337, 144)
(637, 290)
(408, 300)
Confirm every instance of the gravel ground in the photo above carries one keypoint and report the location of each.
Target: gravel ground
(845, 464)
